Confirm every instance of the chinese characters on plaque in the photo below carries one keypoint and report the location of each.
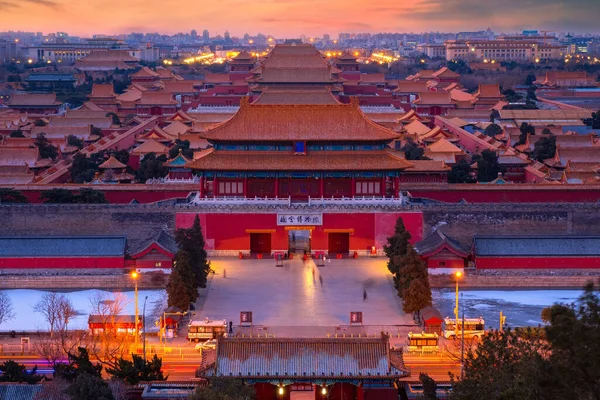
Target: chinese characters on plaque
(246, 318)
(356, 317)
(299, 219)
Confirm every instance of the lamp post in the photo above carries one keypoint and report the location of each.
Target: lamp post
(457, 275)
(462, 347)
(134, 276)
(144, 327)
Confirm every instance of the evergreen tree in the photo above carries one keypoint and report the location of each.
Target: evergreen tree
(58, 196)
(413, 151)
(413, 282)
(17, 134)
(115, 118)
(90, 196)
(191, 241)
(137, 370)
(544, 148)
(11, 371)
(461, 172)
(487, 166)
(397, 246)
(152, 167)
(184, 146)
(8, 195)
(224, 389)
(78, 363)
(525, 130)
(492, 130)
(89, 387)
(73, 140)
(45, 147)
(429, 387)
(182, 289)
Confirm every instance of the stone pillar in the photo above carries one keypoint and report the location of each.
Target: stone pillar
(245, 186)
(322, 188)
(276, 186)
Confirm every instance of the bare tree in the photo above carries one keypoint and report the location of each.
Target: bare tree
(109, 344)
(55, 349)
(54, 390)
(57, 309)
(6, 308)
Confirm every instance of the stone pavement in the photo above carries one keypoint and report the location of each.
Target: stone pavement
(292, 301)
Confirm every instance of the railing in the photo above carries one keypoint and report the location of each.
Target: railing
(287, 201)
(194, 179)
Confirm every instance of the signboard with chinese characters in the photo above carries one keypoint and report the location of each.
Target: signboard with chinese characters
(299, 219)
(356, 317)
(246, 318)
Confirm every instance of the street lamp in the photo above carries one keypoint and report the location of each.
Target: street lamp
(144, 327)
(457, 275)
(134, 276)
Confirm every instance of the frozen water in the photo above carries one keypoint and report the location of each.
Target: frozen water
(26, 319)
(521, 307)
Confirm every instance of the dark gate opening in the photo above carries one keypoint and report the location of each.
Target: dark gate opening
(339, 243)
(260, 243)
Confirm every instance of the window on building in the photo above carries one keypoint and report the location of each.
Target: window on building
(300, 148)
(234, 188)
(368, 188)
(157, 265)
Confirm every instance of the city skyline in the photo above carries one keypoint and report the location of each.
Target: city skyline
(291, 18)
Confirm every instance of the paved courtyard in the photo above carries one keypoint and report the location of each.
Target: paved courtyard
(290, 296)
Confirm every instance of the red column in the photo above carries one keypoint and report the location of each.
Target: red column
(383, 186)
(353, 188)
(215, 186)
(397, 181)
(202, 186)
(245, 186)
(276, 186)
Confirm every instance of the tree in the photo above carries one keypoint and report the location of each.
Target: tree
(115, 118)
(122, 156)
(8, 195)
(83, 169)
(6, 308)
(109, 345)
(573, 334)
(73, 140)
(413, 151)
(525, 130)
(89, 387)
(512, 96)
(77, 364)
(90, 196)
(184, 146)
(11, 371)
(57, 309)
(544, 148)
(45, 147)
(151, 167)
(39, 122)
(546, 314)
(546, 131)
(181, 289)
(531, 97)
(596, 119)
(461, 172)
(224, 389)
(58, 196)
(429, 387)
(191, 241)
(506, 365)
(137, 370)
(495, 114)
(397, 246)
(413, 282)
(17, 134)
(487, 166)
(492, 130)
(530, 79)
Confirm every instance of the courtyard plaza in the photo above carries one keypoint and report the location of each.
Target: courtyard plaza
(301, 299)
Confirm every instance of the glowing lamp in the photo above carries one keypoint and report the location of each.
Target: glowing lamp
(280, 391)
(323, 391)
(134, 275)
(458, 274)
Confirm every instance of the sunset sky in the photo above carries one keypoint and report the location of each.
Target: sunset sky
(290, 18)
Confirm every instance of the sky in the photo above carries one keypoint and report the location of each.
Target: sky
(291, 18)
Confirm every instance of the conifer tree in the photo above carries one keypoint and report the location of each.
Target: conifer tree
(397, 246)
(181, 289)
(192, 242)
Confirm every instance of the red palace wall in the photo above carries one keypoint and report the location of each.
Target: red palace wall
(536, 262)
(229, 231)
(63, 262)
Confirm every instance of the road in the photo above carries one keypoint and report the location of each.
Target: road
(184, 369)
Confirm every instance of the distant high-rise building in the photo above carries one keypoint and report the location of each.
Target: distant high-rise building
(194, 34)
(227, 36)
(205, 35)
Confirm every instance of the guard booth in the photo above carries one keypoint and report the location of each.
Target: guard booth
(320, 259)
(423, 342)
